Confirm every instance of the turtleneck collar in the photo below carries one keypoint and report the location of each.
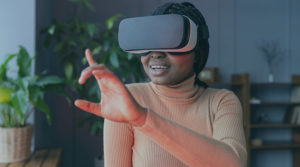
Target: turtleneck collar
(185, 90)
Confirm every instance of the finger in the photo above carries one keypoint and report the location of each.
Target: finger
(103, 76)
(90, 107)
(99, 74)
(87, 72)
(89, 57)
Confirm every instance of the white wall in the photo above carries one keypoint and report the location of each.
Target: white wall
(17, 27)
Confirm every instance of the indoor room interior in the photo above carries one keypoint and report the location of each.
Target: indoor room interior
(253, 52)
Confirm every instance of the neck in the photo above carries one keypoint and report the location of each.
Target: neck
(183, 90)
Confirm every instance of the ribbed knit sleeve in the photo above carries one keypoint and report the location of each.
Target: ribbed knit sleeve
(228, 123)
(118, 141)
(225, 148)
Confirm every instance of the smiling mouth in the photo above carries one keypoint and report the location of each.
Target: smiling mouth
(158, 70)
(158, 67)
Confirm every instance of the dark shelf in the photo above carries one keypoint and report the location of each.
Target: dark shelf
(260, 92)
(276, 145)
(274, 84)
(275, 103)
(274, 126)
(223, 84)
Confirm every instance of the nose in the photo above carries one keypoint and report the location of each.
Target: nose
(158, 55)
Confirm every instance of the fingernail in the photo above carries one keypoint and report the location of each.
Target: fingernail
(76, 103)
(86, 51)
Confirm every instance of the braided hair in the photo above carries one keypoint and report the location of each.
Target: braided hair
(202, 46)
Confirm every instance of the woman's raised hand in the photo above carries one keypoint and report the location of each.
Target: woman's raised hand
(117, 104)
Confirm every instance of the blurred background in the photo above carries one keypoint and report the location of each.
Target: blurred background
(259, 38)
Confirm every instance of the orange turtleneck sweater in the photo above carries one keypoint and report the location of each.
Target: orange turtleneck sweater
(186, 125)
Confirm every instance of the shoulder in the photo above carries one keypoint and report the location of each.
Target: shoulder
(220, 98)
(219, 94)
(137, 88)
(140, 91)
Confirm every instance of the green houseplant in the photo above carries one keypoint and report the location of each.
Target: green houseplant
(19, 95)
(70, 39)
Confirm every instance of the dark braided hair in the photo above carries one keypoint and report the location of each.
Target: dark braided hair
(202, 46)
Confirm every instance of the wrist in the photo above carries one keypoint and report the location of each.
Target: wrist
(140, 121)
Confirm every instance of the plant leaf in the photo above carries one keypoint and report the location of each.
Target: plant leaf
(23, 83)
(48, 80)
(97, 50)
(41, 105)
(69, 69)
(92, 29)
(59, 46)
(3, 67)
(114, 59)
(51, 29)
(129, 56)
(89, 6)
(59, 89)
(84, 60)
(24, 62)
(20, 104)
(34, 93)
(5, 95)
(74, 0)
(94, 129)
(72, 43)
(110, 21)
(106, 46)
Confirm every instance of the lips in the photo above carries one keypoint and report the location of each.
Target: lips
(158, 69)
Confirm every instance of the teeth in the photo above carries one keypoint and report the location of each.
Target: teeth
(158, 67)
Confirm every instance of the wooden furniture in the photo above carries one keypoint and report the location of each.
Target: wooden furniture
(245, 90)
(245, 93)
(40, 158)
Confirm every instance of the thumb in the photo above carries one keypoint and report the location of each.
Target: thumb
(90, 107)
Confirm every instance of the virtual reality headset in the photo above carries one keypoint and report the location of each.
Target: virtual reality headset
(164, 33)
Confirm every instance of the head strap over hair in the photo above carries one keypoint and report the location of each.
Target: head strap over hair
(163, 8)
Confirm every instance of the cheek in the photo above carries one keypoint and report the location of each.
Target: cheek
(144, 61)
(184, 62)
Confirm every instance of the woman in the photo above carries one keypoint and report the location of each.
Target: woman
(174, 120)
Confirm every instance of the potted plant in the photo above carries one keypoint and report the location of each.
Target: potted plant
(272, 54)
(19, 95)
(71, 38)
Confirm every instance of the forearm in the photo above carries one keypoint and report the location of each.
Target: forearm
(191, 148)
(117, 143)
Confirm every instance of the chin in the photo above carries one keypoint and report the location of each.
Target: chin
(163, 81)
(157, 82)
(160, 81)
